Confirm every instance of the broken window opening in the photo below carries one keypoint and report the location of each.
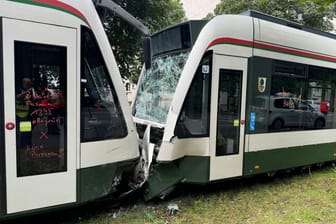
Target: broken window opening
(158, 86)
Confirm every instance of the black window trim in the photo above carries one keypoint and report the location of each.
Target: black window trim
(3, 190)
(209, 101)
(276, 62)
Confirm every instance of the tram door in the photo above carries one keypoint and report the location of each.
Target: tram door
(227, 117)
(39, 77)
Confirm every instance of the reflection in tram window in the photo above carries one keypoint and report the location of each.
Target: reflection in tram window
(101, 115)
(228, 112)
(322, 92)
(297, 97)
(300, 97)
(40, 99)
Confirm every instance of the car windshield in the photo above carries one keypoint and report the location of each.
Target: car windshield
(157, 87)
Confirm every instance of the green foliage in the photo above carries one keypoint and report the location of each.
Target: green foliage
(126, 40)
(317, 14)
(324, 2)
(150, 217)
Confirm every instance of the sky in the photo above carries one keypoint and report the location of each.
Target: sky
(198, 9)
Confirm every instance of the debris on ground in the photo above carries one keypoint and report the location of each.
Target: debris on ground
(173, 208)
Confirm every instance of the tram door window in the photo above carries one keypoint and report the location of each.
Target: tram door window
(228, 112)
(40, 101)
(101, 115)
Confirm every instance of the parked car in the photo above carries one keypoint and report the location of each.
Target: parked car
(291, 112)
(313, 103)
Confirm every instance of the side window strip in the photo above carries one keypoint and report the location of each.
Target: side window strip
(101, 114)
(194, 119)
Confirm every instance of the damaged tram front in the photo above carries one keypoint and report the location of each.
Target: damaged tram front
(157, 85)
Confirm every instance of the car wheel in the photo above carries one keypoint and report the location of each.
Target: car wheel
(277, 124)
(319, 123)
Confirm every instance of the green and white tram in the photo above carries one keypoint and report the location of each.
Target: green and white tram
(247, 94)
(66, 130)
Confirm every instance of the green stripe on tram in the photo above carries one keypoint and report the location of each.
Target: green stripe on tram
(279, 159)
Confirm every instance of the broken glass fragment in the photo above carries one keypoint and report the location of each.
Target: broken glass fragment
(157, 87)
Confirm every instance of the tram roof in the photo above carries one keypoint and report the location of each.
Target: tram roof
(284, 22)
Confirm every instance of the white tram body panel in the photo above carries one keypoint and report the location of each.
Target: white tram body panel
(28, 12)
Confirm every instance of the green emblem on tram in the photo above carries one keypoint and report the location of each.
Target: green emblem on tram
(262, 84)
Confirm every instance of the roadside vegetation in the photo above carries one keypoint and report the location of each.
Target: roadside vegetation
(297, 197)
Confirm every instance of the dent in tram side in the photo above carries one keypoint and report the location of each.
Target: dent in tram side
(96, 182)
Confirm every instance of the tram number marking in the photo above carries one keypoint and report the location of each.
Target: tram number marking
(205, 69)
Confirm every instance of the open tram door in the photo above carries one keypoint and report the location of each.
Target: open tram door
(40, 125)
(227, 116)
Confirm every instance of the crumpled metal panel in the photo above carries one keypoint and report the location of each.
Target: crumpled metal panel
(158, 86)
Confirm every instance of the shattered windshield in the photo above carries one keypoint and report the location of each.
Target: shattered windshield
(157, 87)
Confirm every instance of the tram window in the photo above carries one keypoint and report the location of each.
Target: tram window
(40, 98)
(287, 95)
(194, 117)
(292, 105)
(288, 79)
(101, 114)
(173, 39)
(321, 94)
